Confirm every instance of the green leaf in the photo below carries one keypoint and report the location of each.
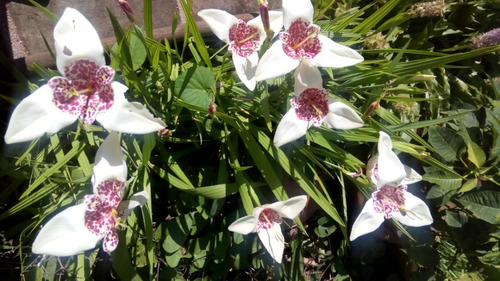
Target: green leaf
(444, 179)
(436, 191)
(483, 204)
(468, 185)
(138, 51)
(178, 231)
(456, 219)
(148, 17)
(375, 18)
(494, 120)
(476, 154)
(425, 255)
(191, 86)
(446, 142)
(122, 263)
(198, 39)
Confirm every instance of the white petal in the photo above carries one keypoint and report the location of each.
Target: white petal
(341, 116)
(65, 234)
(35, 115)
(307, 76)
(128, 117)
(417, 212)
(295, 9)
(289, 208)
(274, 63)
(136, 200)
(109, 162)
(76, 38)
(290, 128)
(411, 176)
(367, 221)
(335, 55)
(244, 225)
(276, 21)
(257, 23)
(273, 241)
(390, 168)
(245, 68)
(219, 22)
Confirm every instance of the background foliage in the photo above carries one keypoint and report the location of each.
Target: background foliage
(421, 82)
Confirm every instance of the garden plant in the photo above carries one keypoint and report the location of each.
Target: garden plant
(321, 140)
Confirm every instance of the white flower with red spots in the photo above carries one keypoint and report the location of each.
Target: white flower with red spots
(390, 200)
(266, 220)
(244, 39)
(100, 216)
(313, 107)
(85, 89)
(301, 42)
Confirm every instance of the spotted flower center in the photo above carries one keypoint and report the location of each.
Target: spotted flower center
(243, 39)
(102, 216)
(85, 90)
(389, 199)
(301, 40)
(267, 218)
(311, 105)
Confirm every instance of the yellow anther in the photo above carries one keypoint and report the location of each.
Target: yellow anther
(73, 92)
(240, 42)
(311, 34)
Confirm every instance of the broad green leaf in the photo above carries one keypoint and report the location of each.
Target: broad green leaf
(138, 51)
(178, 230)
(444, 179)
(445, 142)
(455, 219)
(483, 204)
(494, 120)
(191, 86)
(121, 261)
(469, 185)
(476, 154)
(436, 191)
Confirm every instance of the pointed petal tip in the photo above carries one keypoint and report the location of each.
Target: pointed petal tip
(291, 207)
(129, 117)
(367, 221)
(273, 241)
(219, 22)
(290, 128)
(244, 225)
(65, 234)
(36, 115)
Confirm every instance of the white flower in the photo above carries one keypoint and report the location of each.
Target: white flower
(266, 221)
(85, 90)
(244, 39)
(386, 168)
(79, 228)
(301, 42)
(312, 106)
(390, 200)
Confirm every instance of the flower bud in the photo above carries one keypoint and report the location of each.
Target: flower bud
(264, 15)
(211, 110)
(373, 106)
(164, 132)
(126, 8)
